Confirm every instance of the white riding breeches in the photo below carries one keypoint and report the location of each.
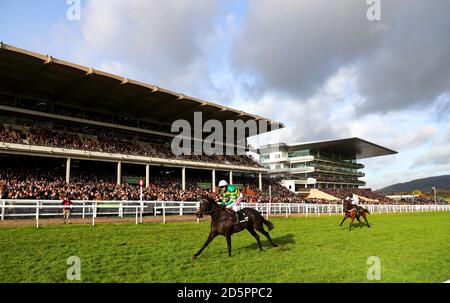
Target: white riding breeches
(234, 206)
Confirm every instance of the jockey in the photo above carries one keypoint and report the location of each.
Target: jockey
(231, 197)
(354, 199)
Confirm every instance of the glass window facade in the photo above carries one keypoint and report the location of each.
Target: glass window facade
(301, 164)
(299, 153)
(265, 157)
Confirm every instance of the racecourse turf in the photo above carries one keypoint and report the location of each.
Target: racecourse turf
(413, 247)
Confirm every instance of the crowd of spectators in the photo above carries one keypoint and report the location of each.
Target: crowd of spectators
(42, 184)
(21, 182)
(99, 140)
(374, 197)
(342, 193)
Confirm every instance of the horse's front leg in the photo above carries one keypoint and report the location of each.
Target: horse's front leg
(228, 236)
(365, 219)
(211, 237)
(359, 220)
(351, 223)
(345, 217)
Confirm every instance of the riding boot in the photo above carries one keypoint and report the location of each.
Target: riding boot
(237, 222)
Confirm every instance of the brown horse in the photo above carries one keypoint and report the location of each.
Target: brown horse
(222, 223)
(354, 211)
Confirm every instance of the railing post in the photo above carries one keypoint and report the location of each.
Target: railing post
(164, 212)
(197, 205)
(181, 208)
(121, 209)
(142, 211)
(94, 212)
(137, 215)
(37, 214)
(306, 210)
(3, 210)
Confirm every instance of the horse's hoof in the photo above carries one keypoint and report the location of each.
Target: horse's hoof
(274, 245)
(194, 257)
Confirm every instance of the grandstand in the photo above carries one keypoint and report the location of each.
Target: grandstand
(320, 165)
(65, 127)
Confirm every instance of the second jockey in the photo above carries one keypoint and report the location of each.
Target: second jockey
(354, 199)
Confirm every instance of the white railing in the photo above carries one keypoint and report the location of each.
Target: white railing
(39, 209)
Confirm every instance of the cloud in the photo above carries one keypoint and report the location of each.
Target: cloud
(407, 69)
(447, 137)
(438, 156)
(167, 41)
(396, 131)
(320, 117)
(294, 47)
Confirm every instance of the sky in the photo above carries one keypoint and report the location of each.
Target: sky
(319, 66)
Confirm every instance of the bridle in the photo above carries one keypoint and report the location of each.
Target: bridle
(203, 211)
(211, 210)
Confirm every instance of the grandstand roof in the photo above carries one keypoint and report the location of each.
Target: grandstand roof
(349, 146)
(42, 77)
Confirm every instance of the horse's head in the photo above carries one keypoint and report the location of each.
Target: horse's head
(205, 207)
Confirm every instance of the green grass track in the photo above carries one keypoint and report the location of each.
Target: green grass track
(413, 247)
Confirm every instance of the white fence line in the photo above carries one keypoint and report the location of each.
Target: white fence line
(53, 208)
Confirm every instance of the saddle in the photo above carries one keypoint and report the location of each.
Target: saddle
(356, 208)
(239, 216)
(242, 216)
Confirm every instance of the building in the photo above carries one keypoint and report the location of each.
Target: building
(323, 164)
(39, 91)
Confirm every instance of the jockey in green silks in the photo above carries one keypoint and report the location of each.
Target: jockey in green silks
(231, 197)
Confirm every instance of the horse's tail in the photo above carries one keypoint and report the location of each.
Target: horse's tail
(268, 224)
